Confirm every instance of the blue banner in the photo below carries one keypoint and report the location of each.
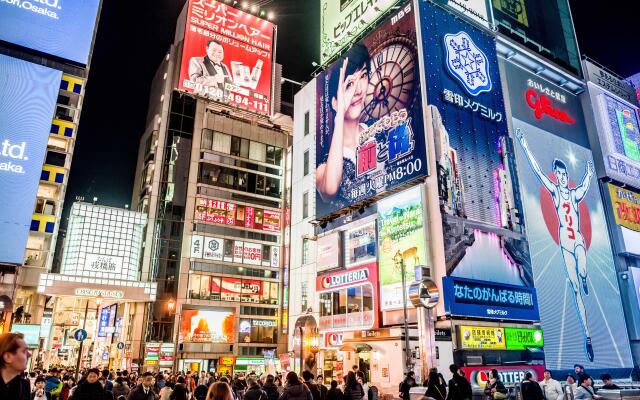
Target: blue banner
(473, 298)
(62, 28)
(28, 94)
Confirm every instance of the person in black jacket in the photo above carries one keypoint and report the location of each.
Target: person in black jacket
(334, 392)
(271, 388)
(459, 386)
(307, 377)
(352, 389)
(90, 388)
(531, 388)
(322, 387)
(144, 391)
(254, 391)
(435, 388)
(406, 385)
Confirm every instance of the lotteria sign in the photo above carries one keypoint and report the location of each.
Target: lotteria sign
(511, 375)
(333, 339)
(346, 278)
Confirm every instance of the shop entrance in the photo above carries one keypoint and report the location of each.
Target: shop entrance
(363, 354)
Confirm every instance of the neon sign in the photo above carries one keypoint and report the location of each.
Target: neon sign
(542, 105)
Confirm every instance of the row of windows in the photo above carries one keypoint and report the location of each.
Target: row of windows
(214, 288)
(240, 147)
(234, 270)
(234, 162)
(242, 181)
(236, 233)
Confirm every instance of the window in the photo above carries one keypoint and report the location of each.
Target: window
(258, 331)
(304, 304)
(258, 151)
(306, 123)
(221, 143)
(306, 163)
(305, 205)
(207, 139)
(306, 257)
(56, 159)
(245, 290)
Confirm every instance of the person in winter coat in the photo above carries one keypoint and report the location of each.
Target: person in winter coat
(406, 385)
(144, 391)
(495, 389)
(254, 392)
(551, 388)
(53, 385)
(530, 388)
(334, 392)
(322, 387)
(120, 388)
(166, 391)
(294, 389)
(38, 390)
(66, 388)
(90, 388)
(179, 390)
(201, 391)
(352, 389)
(459, 386)
(271, 388)
(435, 388)
(307, 377)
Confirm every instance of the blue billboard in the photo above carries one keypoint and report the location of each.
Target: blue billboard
(62, 28)
(370, 128)
(484, 235)
(573, 266)
(473, 298)
(28, 94)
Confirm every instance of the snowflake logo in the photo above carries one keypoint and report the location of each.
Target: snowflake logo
(467, 63)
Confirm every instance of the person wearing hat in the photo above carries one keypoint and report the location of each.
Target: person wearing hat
(13, 361)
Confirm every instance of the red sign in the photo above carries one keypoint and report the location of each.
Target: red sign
(227, 56)
(542, 105)
(271, 221)
(236, 286)
(225, 213)
(333, 340)
(511, 375)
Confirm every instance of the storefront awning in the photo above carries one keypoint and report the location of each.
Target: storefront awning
(356, 347)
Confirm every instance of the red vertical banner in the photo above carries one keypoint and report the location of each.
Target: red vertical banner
(227, 56)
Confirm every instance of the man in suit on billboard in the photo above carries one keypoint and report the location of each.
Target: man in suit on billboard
(209, 72)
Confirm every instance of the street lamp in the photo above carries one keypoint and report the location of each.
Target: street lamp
(171, 305)
(399, 262)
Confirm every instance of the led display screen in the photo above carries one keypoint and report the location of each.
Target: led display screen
(207, 326)
(227, 56)
(62, 28)
(369, 125)
(28, 95)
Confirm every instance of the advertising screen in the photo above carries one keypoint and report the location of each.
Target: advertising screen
(482, 337)
(484, 235)
(327, 254)
(207, 326)
(31, 333)
(400, 232)
(342, 20)
(574, 270)
(360, 245)
(28, 94)
(619, 134)
(545, 27)
(626, 214)
(62, 28)
(370, 133)
(521, 339)
(227, 56)
(474, 9)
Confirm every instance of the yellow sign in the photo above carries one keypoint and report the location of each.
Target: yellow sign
(482, 337)
(227, 360)
(514, 9)
(626, 207)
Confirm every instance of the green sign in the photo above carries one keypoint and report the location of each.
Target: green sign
(520, 339)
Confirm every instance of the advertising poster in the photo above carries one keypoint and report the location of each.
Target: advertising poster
(521, 339)
(626, 214)
(619, 134)
(342, 20)
(226, 213)
(327, 254)
(400, 232)
(227, 56)
(574, 271)
(207, 326)
(213, 249)
(474, 9)
(360, 245)
(62, 28)
(484, 234)
(482, 337)
(28, 94)
(370, 133)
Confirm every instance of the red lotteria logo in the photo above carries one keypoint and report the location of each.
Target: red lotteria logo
(334, 339)
(326, 282)
(542, 105)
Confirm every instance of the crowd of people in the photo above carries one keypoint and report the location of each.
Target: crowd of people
(95, 384)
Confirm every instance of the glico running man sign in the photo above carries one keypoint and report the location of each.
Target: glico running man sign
(227, 56)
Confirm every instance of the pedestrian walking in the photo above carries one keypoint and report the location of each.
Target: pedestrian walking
(334, 392)
(459, 386)
(406, 385)
(551, 388)
(13, 361)
(38, 392)
(352, 388)
(294, 389)
(90, 388)
(435, 388)
(220, 391)
(144, 391)
(530, 388)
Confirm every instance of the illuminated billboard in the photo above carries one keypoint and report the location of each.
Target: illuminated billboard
(521, 339)
(207, 326)
(482, 337)
(571, 255)
(62, 28)
(484, 235)
(360, 244)
(400, 232)
(227, 56)
(28, 94)
(343, 20)
(370, 133)
(619, 136)
(231, 214)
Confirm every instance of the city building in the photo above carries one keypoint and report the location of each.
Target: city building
(48, 69)
(99, 289)
(210, 176)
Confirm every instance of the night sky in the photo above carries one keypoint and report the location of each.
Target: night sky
(133, 36)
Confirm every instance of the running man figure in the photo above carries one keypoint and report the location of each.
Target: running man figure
(572, 244)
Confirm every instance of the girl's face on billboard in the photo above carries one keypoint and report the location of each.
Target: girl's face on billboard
(358, 82)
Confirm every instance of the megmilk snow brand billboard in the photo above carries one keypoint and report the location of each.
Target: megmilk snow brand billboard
(481, 208)
(62, 28)
(370, 132)
(227, 56)
(28, 94)
(574, 271)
